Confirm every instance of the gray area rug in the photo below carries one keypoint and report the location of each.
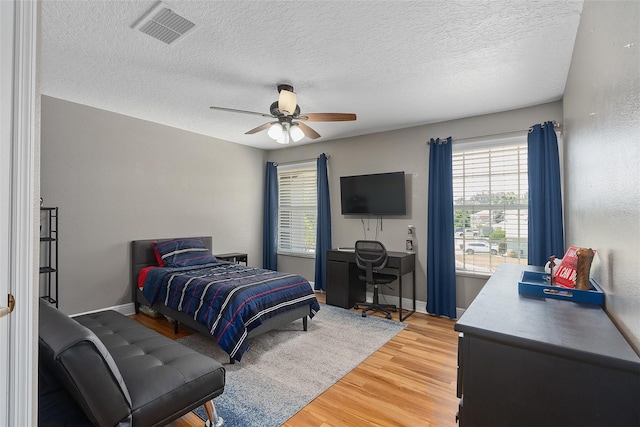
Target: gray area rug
(287, 368)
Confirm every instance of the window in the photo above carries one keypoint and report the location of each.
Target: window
(490, 198)
(297, 211)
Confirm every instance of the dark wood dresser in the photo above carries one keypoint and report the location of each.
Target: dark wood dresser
(531, 361)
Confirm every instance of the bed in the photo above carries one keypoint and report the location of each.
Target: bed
(230, 302)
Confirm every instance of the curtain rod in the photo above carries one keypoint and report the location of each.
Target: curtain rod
(293, 162)
(556, 126)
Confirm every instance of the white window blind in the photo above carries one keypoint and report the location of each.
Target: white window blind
(490, 196)
(297, 209)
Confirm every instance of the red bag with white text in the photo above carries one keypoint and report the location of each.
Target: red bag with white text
(565, 273)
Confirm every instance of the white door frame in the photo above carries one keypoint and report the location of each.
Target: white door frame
(6, 71)
(21, 142)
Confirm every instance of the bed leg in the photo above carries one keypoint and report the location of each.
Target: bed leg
(304, 323)
(175, 327)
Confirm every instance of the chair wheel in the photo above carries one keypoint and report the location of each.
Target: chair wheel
(364, 313)
(356, 306)
(388, 316)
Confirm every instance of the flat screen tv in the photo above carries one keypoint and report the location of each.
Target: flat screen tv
(375, 194)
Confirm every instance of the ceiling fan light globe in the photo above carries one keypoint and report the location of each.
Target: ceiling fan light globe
(283, 139)
(296, 133)
(275, 131)
(287, 102)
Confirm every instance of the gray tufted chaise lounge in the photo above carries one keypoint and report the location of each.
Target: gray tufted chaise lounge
(118, 372)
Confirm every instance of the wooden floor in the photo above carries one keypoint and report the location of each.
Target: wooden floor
(410, 381)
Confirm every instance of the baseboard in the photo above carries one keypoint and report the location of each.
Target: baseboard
(126, 309)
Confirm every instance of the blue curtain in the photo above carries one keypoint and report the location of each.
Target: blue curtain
(323, 227)
(441, 267)
(270, 234)
(546, 230)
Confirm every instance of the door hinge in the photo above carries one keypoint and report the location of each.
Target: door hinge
(12, 304)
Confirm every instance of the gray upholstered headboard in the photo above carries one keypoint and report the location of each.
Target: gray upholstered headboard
(142, 255)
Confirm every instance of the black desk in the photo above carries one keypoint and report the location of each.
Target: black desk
(344, 288)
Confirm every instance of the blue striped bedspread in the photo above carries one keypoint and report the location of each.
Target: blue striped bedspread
(229, 299)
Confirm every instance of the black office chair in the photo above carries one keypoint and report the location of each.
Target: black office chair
(371, 256)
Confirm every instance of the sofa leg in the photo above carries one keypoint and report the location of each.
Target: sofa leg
(214, 420)
(304, 323)
(208, 408)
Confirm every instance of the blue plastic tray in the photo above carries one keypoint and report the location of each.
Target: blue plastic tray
(537, 283)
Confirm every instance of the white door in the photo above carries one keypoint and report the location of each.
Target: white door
(18, 330)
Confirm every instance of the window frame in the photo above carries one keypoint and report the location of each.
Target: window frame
(296, 208)
(517, 245)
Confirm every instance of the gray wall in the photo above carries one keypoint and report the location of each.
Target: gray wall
(117, 179)
(401, 150)
(602, 162)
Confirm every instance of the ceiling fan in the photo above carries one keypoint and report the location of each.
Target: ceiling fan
(289, 122)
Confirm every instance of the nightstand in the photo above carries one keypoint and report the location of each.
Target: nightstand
(236, 257)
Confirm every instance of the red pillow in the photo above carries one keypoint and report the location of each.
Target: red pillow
(159, 259)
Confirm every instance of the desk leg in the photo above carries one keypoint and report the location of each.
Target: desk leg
(413, 296)
(400, 296)
(414, 290)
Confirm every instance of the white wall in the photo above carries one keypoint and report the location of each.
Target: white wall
(401, 150)
(116, 179)
(602, 153)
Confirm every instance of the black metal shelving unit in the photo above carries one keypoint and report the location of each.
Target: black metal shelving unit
(49, 253)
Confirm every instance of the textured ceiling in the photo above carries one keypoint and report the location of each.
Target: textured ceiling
(395, 64)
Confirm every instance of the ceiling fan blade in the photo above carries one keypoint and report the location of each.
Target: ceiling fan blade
(233, 110)
(327, 117)
(308, 132)
(259, 128)
(287, 102)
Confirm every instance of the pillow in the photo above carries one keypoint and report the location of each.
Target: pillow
(183, 252)
(158, 257)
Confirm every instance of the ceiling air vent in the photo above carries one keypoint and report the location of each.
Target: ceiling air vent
(164, 24)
